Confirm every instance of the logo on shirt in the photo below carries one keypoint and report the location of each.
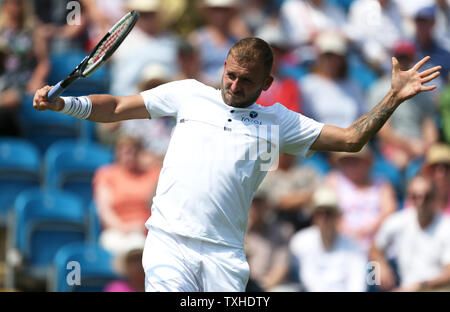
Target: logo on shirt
(245, 118)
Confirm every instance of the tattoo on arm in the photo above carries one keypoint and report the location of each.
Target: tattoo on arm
(369, 124)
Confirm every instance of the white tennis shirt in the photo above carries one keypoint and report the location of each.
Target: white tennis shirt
(217, 157)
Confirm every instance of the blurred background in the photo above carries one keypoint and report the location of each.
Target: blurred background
(72, 190)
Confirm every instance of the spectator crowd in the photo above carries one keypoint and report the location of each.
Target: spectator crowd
(324, 223)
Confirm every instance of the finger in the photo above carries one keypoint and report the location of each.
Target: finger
(430, 71)
(420, 63)
(47, 90)
(395, 65)
(42, 97)
(43, 93)
(428, 88)
(429, 78)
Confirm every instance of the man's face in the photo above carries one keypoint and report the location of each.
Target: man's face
(421, 194)
(327, 221)
(424, 28)
(242, 84)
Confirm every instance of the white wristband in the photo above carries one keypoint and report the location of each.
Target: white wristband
(79, 107)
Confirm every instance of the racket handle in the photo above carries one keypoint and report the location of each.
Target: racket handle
(55, 92)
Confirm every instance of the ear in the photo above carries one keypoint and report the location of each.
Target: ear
(268, 83)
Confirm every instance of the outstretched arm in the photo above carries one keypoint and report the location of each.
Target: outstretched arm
(404, 85)
(105, 108)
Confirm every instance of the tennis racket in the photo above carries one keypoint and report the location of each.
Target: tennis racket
(99, 55)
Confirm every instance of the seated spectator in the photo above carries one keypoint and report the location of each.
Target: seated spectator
(328, 260)
(303, 20)
(375, 26)
(284, 90)
(59, 26)
(24, 63)
(266, 245)
(102, 15)
(365, 201)
(419, 240)
(189, 66)
(160, 47)
(411, 130)
(441, 30)
(437, 167)
(128, 265)
(340, 100)
(428, 45)
(123, 192)
(258, 13)
(216, 37)
(289, 189)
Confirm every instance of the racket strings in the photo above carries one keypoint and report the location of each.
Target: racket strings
(110, 41)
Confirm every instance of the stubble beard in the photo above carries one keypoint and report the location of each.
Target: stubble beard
(246, 103)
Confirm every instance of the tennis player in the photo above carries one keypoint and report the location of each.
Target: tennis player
(217, 157)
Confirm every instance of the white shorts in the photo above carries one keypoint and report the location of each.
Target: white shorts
(182, 264)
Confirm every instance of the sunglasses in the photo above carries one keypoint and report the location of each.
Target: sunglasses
(418, 196)
(330, 213)
(444, 166)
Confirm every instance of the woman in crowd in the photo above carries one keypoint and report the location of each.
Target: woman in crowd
(123, 192)
(24, 63)
(365, 201)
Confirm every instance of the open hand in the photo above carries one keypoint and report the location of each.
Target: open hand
(406, 84)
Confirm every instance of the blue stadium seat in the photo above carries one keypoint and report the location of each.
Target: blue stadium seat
(382, 168)
(344, 4)
(70, 165)
(63, 63)
(19, 170)
(95, 265)
(87, 131)
(95, 226)
(44, 221)
(318, 161)
(45, 128)
(414, 167)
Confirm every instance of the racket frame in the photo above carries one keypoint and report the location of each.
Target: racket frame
(81, 70)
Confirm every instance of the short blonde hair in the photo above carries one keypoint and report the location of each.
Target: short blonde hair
(253, 50)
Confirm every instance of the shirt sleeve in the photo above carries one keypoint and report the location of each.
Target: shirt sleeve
(298, 133)
(165, 100)
(387, 232)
